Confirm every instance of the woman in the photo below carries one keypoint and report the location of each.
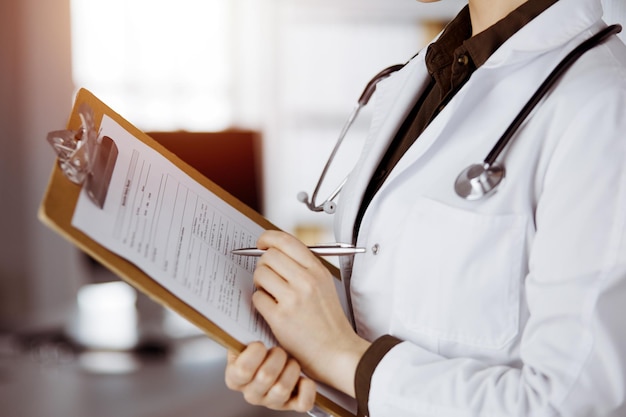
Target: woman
(505, 306)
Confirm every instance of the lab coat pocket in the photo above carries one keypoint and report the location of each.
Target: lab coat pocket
(463, 285)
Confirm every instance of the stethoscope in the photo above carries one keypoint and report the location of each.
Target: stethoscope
(477, 180)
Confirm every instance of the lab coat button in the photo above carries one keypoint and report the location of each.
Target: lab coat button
(375, 249)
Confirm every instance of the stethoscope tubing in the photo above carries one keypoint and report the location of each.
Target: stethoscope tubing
(543, 89)
(355, 112)
(481, 180)
(328, 204)
(477, 180)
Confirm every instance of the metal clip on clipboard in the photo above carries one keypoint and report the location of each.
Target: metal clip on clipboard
(84, 157)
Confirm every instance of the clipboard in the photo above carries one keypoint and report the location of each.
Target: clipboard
(60, 199)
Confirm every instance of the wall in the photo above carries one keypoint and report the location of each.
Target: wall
(37, 268)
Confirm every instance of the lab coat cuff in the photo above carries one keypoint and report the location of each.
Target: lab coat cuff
(365, 370)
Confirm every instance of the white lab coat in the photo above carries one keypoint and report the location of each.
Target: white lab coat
(513, 305)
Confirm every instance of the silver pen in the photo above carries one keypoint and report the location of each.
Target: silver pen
(330, 249)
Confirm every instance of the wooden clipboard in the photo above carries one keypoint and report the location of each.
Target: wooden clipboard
(57, 209)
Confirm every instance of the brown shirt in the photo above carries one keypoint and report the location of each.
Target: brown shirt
(450, 61)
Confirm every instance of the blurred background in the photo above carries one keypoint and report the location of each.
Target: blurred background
(197, 75)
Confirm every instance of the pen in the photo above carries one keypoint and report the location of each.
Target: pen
(333, 249)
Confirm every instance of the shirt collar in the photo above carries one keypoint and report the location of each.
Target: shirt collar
(484, 44)
(457, 35)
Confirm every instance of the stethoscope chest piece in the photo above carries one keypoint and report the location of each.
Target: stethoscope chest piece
(478, 180)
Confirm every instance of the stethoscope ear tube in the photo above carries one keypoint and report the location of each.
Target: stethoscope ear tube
(370, 88)
(328, 205)
(549, 82)
(479, 180)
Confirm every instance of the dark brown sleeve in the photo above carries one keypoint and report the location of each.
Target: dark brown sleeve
(365, 369)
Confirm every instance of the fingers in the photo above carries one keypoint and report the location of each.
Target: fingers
(289, 246)
(280, 293)
(269, 378)
(240, 369)
(287, 260)
(305, 400)
(268, 280)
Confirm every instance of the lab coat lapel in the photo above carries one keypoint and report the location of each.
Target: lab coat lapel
(394, 99)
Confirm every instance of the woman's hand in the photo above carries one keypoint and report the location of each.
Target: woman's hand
(269, 377)
(298, 299)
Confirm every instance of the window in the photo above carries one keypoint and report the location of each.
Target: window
(163, 65)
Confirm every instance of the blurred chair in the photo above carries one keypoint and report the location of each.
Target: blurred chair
(230, 158)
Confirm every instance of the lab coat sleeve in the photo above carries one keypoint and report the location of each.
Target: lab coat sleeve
(573, 347)
(377, 350)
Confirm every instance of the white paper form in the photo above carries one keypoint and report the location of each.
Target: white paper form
(179, 233)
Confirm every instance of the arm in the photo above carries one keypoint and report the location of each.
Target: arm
(297, 297)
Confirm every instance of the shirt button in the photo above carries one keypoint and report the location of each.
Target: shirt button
(375, 249)
(463, 59)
